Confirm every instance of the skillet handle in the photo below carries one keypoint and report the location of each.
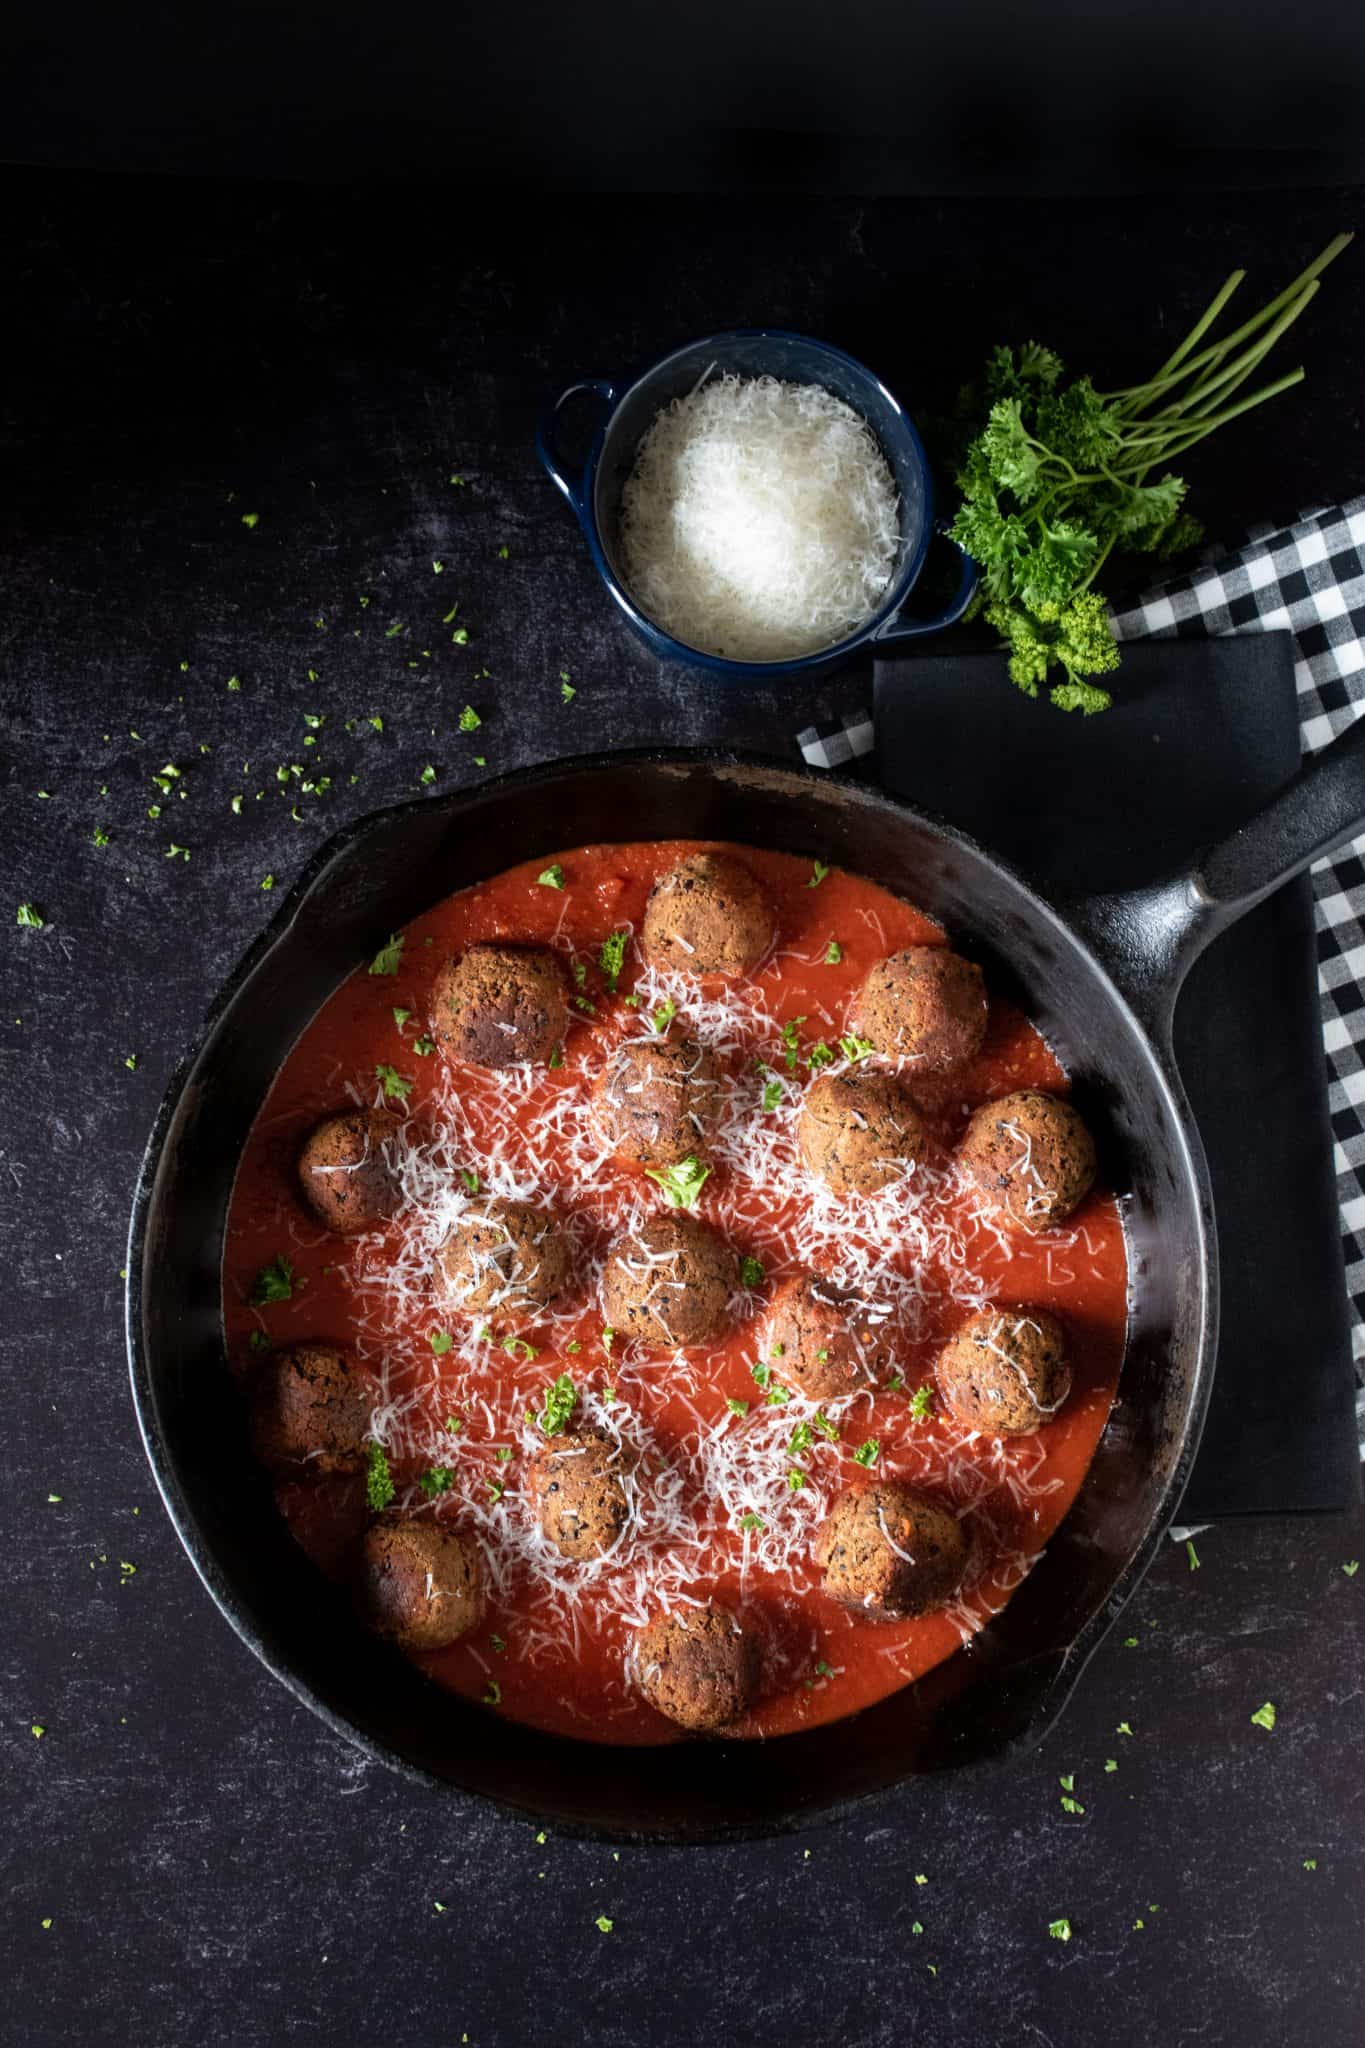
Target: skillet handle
(1150, 938)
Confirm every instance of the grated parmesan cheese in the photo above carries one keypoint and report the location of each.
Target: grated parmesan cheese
(760, 520)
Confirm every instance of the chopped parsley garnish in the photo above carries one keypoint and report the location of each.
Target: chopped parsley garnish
(1123, 1729)
(492, 1693)
(517, 1347)
(791, 1042)
(561, 1398)
(470, 720)
(818, 871)
(772, 1094)
(379, 1487)
(1060, 1930)
(1310, 1862)
(854, 1048)
(834, 953)
(819, 1056)
(750, 1272)
(387, 958)
(400, 1016)
(267, 881)
(751, 1522)
(1070, 1805)
(1264, 1716)
(826, 1427)
(612, 956)
(799, 1440)
(496, 1490)
(1111, 1763)
(737, 1407)
(1352, 1568)
(470, 1179)
(258, 1341)
(761, 1375)
(566, 689)
(665, 1014)
(604, 1926)
(392, 632)
(868, 1452)
(682, 1184)
(99, 837)
(274, 1282)
(427, 776)
(440, 1341)
(796, 1478)
(251, 519)
(503, 1454)
(551, 877)
(174, 852)
(439, 1479)
(131, 1063)
(1192, 1554)
(557, 1056)
(237, 807)
(397, 1087)
(922, 1402)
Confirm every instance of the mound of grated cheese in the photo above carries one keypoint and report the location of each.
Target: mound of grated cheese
(760, 520)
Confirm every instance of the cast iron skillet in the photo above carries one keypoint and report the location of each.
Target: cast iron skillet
(1099, 977)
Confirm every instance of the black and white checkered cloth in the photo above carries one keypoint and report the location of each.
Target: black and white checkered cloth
(1307, 579)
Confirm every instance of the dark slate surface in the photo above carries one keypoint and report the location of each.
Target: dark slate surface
(213, 1866)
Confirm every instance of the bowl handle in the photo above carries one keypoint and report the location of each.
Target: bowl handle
(547, 431)
(898, 627)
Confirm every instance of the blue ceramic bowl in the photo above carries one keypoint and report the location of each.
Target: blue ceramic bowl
(629, 411)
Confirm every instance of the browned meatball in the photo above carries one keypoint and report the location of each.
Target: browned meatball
(859, 1131)
(923, 1004)
(578, 1481)
(1032, 1155)
(697, 1666)
(1005, 1372)
(346, 1171)
(501, 1005)
(708, 915)
(669, 1282)
(503, 1256)
(308, 1408)
(420, 1583)
(889, 1552)
(658, 1101)
(822, 1337)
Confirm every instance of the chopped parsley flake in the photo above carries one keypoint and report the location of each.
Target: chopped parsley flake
(274, 1282)
(258, 1341)
(267, 881)
(99, 837)
(737, 1407)
(868, 1452)
(751, 1522)
(397, 1087)
(1111, 1763)
(427, 776)
(1060, 1930)
(664, 1015)
(790, 1041)
(1352, 1568)
(131, 1063)
(854, 1048)
(800, 1440)
(1123, 1729)
(492, 1693)
(826, 1427)
(922, 1402)
(503, 1454)
(470, 1179)
(762, 1375)
(796, 1478)
(1309, 1862)
(174, 852)
(237, 807)
(440, 1341)
(387, 958)
(1070, 1805)
(1264, 1716)
(604, 1925)
(750, 1272)
(1193, 1555)
(470, 720)
(439, 1479)
(681, 1184)
(819, 1056)
(251, 519)
(557, 1056)
(517, 1347)
(379, 1488)
(818, 871)
(567, 690)
(834, 953)
(561, 1398)
(424, 1046)
(772, 1095)
(612, 956)
(551, 877)
(400, 1017)
(392, 632)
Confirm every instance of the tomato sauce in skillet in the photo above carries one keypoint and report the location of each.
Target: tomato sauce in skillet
(732, 1487)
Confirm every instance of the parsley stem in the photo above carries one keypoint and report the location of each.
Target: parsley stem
(1199, 396)
(1196, 334)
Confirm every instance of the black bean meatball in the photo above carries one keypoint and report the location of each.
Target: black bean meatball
(309, 1408)
(1005, 1371)
(923, 1004)
(1032, 1156)
(505, 1257)
(501, 1005)
(658, 1100)
(697, 1666)
(708, 915)
(579, 1484)
(823, 1338)
(889, 1552)
(420, 1582)
(347, 1172)
(669, 1282)
(859, 1131)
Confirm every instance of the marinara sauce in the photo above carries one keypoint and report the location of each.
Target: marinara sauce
(735, 1469)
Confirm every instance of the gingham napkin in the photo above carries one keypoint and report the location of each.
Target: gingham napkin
(1307, 579)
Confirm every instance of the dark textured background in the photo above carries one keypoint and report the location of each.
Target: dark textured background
(214, 1867)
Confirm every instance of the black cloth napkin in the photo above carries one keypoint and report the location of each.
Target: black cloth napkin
(1201, 734)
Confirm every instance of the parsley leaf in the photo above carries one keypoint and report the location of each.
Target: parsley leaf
(29, 918)
(551, 877)
(387, 958)
(274, 1282)
(611, 956)
(1060, 1930)
(818, 871)
(868, 1451)
(664, 1015)
(854, 1048)
(834, 953)
(440, 1341)
(397, 1087)
(561, 1398)
(772, 1095)
(1264, 1716)
(922, 1402)
(379, 1487)
(682, 1184)
(750, 1272)
(470, 720)
(438, 1480)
